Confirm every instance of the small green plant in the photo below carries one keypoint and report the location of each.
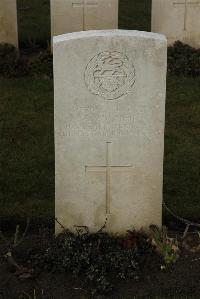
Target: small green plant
(165, 246)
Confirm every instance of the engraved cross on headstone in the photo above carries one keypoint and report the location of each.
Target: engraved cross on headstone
(84, 4)
(108, 169)
(186, 3)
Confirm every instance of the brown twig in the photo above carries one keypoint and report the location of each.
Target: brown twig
(24, 234)
(16, 236)
(11, 260)
(103, 227)
(186, 231)
(79, 228)
(60, 224)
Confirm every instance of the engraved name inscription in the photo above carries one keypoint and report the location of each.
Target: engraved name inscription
(88, 121)
(110, 75)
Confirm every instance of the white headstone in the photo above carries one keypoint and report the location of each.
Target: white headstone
(178, 20)
(109, 128)
(8, 22)
(78, 15)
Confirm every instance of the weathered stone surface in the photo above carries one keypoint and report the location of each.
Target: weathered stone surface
(8, 22)
(78, 15)
(178, 20)
(109, 128)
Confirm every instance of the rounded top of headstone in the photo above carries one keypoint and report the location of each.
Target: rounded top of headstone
(109, 33)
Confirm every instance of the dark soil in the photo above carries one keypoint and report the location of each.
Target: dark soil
(177, 279)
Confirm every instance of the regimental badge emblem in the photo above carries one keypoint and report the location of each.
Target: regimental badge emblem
(110, 75)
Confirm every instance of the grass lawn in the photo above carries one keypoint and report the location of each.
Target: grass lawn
(26, 127)
(182, 147)
(27, 158)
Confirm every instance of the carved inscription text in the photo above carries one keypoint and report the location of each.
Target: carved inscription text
(86, 120)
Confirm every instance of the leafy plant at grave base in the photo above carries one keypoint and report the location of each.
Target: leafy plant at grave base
(42, 65)
(183, 60)
(12, 64)
(95, 259)
(165, 246)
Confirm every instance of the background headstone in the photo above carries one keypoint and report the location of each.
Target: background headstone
(78, 15)
(109, 128)
(8, 22)
(178, 20)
